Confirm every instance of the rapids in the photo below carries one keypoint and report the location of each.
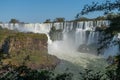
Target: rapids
(74, 35)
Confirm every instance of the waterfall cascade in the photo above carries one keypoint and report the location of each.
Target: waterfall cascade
(74, 33)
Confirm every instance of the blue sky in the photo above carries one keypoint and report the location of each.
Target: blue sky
(40, 10)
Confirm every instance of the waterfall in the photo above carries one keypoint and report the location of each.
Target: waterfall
(80, 37)
(74, 35)
(93, 38)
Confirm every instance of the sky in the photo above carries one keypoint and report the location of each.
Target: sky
(40, 10)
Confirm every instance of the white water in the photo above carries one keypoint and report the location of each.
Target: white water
(66, 49)
(71, 40)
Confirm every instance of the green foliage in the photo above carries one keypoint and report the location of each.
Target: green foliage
(24, 73)
(26, 48)
(48, 21)
(112, 71)
(91, 75)
(114, 28)
(21, 35)
(59, 20)
(82, 19)
(55, 34)
(112, 15)
(64, 76)
(109, 33)
(13, 21)
(5, 33)
(101, 18)
(29, 74)
(107, 7)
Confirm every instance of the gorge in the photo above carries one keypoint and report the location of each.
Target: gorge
(75, 33)
(75, 43)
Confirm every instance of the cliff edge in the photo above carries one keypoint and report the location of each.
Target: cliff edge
(28, 49)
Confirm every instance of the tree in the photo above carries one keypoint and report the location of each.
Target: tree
(92, 75)
(112, 15)
(59, 20)
(101, 18)
(113, 71)
(114, 28)
(64, 76)
(47, 21)
(13, 21)
(25, 73)
(55, 34)
(82, 19)
(109, 33)
(107, 7)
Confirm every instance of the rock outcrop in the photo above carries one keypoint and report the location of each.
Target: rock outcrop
(92, 48)
(26, 49)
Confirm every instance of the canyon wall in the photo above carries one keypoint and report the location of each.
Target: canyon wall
(28, 49)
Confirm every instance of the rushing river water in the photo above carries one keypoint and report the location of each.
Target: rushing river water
(74, 35)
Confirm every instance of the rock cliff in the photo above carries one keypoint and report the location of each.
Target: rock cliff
(27, 49)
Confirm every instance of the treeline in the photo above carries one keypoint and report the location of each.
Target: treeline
(62, 19)
(22, 72)
(105, 17)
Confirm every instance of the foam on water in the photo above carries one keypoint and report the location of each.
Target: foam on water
(66, 49)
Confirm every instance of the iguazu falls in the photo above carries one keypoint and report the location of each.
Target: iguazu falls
(86, 47)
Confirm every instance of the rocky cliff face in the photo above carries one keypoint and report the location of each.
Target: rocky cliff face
(27, 49)
(21, 42)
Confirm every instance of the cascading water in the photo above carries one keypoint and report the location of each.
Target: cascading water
(75, 35)
(80, 37)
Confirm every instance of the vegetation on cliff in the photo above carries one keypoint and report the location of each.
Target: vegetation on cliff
(14, 21)
(55, 34)
(30, 49)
